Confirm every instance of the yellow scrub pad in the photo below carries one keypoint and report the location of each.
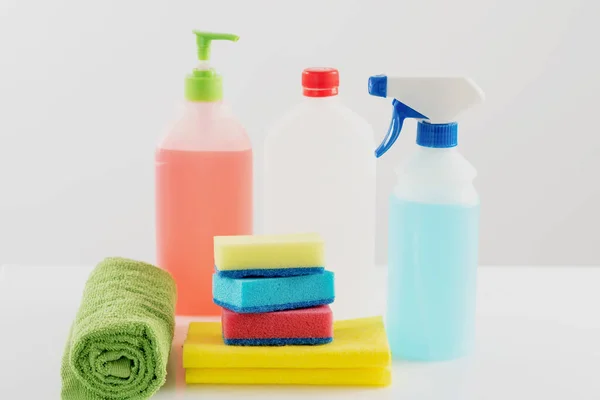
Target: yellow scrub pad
(357, 344)
(256, 253)
(298, 376)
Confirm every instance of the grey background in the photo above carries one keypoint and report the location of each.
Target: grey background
(87, 89)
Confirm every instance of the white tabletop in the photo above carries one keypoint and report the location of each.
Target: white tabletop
(538, 337)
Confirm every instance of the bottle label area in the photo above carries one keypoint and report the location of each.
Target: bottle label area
(199, 195)
(432, 257)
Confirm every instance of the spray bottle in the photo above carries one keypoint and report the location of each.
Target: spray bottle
(433, 222)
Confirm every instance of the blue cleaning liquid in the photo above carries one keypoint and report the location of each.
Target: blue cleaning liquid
(431, 280)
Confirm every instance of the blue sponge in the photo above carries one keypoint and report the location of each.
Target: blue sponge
(274, 272)
(278, 341)
(258, 295)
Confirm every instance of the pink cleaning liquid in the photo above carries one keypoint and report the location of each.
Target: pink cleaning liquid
(201, 194)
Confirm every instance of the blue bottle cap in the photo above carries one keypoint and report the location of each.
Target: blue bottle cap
(437, 136)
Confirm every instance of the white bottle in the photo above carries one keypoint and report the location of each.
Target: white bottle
(319, 173)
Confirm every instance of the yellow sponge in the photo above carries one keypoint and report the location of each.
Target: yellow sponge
(260, 252)
(258, 376)
(357, 344)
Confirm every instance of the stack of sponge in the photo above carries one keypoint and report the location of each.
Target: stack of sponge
(274, 290)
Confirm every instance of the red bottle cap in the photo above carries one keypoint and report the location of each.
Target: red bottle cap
(320, 82)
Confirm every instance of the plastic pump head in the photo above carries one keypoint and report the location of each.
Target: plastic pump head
(204, 39)
(435, 102)
(204, 84)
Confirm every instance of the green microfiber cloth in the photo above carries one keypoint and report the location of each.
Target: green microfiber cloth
(120, 341)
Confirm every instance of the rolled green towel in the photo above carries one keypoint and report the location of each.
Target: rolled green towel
(120, 341)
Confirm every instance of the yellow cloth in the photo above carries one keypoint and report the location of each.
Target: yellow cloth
(357, 344)
(298, 376)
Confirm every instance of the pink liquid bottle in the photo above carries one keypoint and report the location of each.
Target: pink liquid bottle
(203, 184)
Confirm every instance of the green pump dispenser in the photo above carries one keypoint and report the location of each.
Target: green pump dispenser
(204, 84)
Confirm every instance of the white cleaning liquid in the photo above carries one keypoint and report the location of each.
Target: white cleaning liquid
(319, 173)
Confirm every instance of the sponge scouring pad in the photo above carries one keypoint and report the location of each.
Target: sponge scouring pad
(269, 255)
(306, 326)
(261, 295)
(358, 343)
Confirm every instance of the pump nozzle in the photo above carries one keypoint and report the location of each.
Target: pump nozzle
(204, 84)
(203, 40)
(437, 100)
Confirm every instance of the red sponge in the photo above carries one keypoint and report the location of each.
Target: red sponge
(305, 326)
